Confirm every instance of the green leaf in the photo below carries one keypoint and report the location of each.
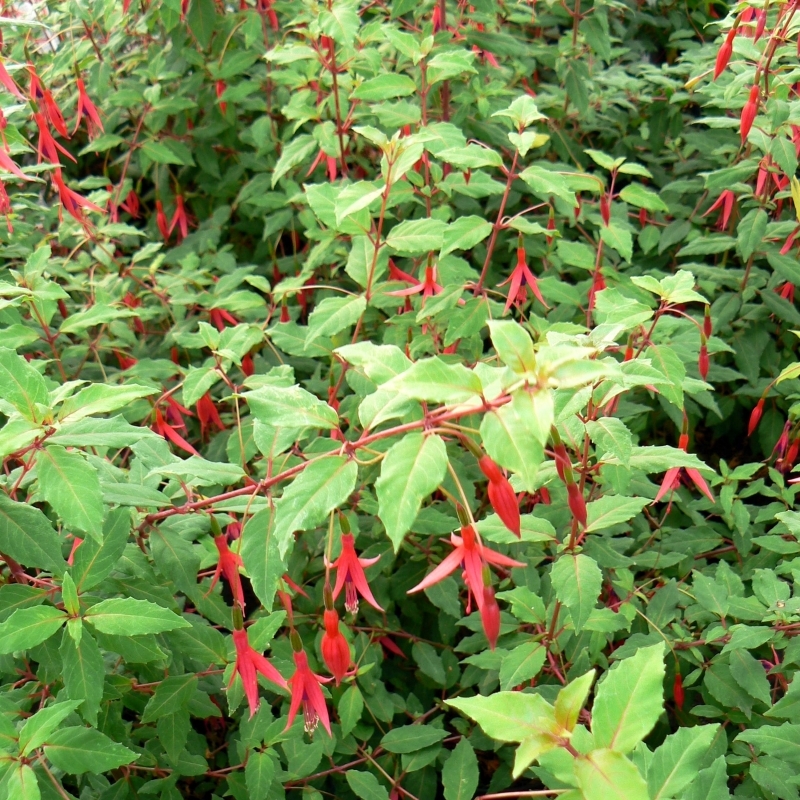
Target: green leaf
(750, 675)
(429, 662)
(510, 716)
(513, 344)
(750, 232)
(22, 784)
(782, 741)
(293, 153)
(630, 700)
(38, 727)
(79, 750)
(365, 785)
(72, 487)
(350, 707)
(27, 536)
(676, 762)
(290, 407)
(333, 315)
(435, 381)
(571, 700)
(636, 195)
(173, 694)
(340, 21)
(83, 673)
(173, 732)
(521, 664)
(411, 738)
(611, 435)
(412, 469)
(545, 183)
(321, 487)
(261, 556)
(577, 581)
(384, 87)
(612, 510)
(22, 385)
(619, 238)
(258, 774)
(27, 627)
(130, 617)
(99, 432)
(464, 233)
(93, 562)
(101, 398)
(460, 773)
(607, 775)
(417, 236)
(512, 434)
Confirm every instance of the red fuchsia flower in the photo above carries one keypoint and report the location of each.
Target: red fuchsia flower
(219, 318)
(761, 23)
(787, 291)
(184, 9)
(724, 54)
(605, 209)
(672, 477)
(163, 428)
(87, 108)
(48, 148)
(725, 203)
(5, 207)
(501, 495)
(677, 691)
(265, 7)
(7, 165)
(335, 650)
(490, 616)
(474, 555)
(248, 367)
(76, 543)
(388, 644)
(176, 412)
(755, 417)
(428, 287)
(436, 19)
(125, 361)
(228, 565)
(350, 575)
(248, 664)
(642, 217)
(702, 361)
(161, 221)
(306, 691)
(8, 82)
(179, 219)
(749, 113)
(220, 88)
(131, 204)
(72, 202)
(208, 415)
(521, 277)
(576, 503)
(38, 93)
(789, 243)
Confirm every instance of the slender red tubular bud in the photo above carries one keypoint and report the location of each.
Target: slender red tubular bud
(577, 505)
(724, 54)
(562, 461)
(504, 502)
(702, 362)
(605, 209)
(749, 113)
(544, 494)
(755, 417)
(490, 616)
(490, 469)
(335, 650)
(683, 442)
(677, 690)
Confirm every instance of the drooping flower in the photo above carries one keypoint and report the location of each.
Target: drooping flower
(605, 209)
(350, 575)
(228, 565)
(8, 82)
(306, 691)
(76, 543)
(335, 650)
(38, 93)
(576, 503)
(179, 219)
(208, 415)
(520, 278)
(248, 368)
(131, 204)
(161, 221)
(672, 476)
(724, 53)
(72, 202)
(8, 165)
(87, 108)
(219, 318)
(248, 664)
(490, 616)
(725, 203)
(501, 495)
(749, 113)
(163, 428)
(48, 148)
(427, 288)
(473, 554)
(5, 207)
(702, 361)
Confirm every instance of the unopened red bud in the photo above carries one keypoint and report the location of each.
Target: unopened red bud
(490, 616)
(605, 210)
(755, 417)
(577, 505)
(677, 690)
(544, 494)
(504, 502)
(724, 54)
(749, 113)
(702, 362)
(490, 469)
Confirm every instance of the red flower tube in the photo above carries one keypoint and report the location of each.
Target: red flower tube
(501, 495)
(749, 113)
(306, 691)
(335, 650)
(248, 664)
(350, 575)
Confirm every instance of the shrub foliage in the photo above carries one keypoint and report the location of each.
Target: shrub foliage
(398, 399)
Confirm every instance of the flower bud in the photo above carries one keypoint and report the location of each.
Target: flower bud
(677, 690)
(702, 362)
(749, 113)
(577, 505)
(755, 417)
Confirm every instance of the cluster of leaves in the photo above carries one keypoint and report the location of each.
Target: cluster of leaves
(293, 291)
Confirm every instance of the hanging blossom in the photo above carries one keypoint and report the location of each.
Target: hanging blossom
(470, 552)
(72, 202)
(38, 93)
(350, 574)
(306, 691)
(163, 428)
(249, 663)
(208, 415)
(335, 650)
(227, 565)
(427, 288)
(521, 277)
(87, 108)
(672, 478)
(725, 205)
(501, 495)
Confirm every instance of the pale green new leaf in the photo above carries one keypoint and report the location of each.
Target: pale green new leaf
(333, 315)
(27, 627)
(290, 407)
(607, 775)
(577, 581)
(412, 469)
